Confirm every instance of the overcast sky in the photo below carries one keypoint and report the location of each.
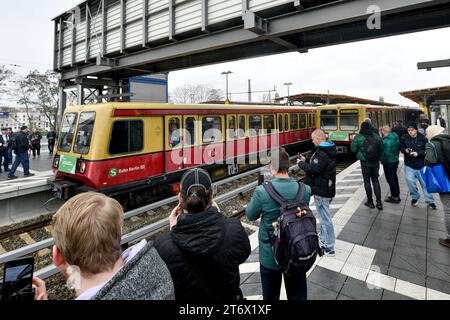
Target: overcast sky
(369, 69)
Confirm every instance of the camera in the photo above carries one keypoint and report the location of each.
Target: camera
(18, 280)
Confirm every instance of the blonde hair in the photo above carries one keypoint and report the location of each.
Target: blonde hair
(88, 230)
(386, 129)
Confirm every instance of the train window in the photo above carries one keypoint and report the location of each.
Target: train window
(255, 125)
(328, 120)
(286, 122)
(67, 132)
(294, 121)
(280, 123)
(312, 120)
(349, 120)
(84, 134)
(190, 131)
(242, 127)
(127, 137)
(231, 127)
(269, 123)
(212, 129)
(303, 121)
(174, 132)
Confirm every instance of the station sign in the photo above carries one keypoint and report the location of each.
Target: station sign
(339, 136)
(68, 164)
(4, 115)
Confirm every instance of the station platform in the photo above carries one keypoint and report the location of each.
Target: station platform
(392, 254)
(25, 198)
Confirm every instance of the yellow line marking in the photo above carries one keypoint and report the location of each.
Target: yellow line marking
(2, 250)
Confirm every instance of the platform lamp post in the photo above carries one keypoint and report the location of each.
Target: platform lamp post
(227, 73)
(289, 95)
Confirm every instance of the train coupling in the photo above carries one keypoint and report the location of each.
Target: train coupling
(64, 190)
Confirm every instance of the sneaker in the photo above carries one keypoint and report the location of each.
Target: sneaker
(432, 206)
(370, 205)
(29, 175)
(379, 206)
(445, 242)
(12, 177)
(393, 200)
(328, 253)
(414, 202)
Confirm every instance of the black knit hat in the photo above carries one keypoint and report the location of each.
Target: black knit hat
(23, 128)
(195, 178)
(412, 125)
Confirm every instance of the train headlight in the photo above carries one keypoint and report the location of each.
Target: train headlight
(83, 165)
(56, 162)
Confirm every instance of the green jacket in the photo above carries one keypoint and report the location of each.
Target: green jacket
(263, 206)
(391, 146)
(433, 154)
(358, 145)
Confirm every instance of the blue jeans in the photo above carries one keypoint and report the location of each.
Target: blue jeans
(412, 176)
(296, 286)
(21, 158)
(10, 156)
(327, 236)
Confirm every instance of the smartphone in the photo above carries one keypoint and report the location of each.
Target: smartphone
(18, 279)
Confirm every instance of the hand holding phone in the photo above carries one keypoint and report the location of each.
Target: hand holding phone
(173, 219)
(18, 279)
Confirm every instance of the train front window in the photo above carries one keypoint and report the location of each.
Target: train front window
(349, 120)
(84, 133)
(67, 132)
(328, 120)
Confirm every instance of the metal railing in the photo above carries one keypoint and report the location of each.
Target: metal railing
(160, 225)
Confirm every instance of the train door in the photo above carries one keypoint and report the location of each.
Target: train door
(191, 149)
(280, 129)
(287, 128)
(270, 131)
(173, 144)
(231, 137)
(212, 138)
(304, 129)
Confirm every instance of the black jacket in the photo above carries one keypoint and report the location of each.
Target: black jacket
(51, 136)
(320, 170)
(3, 143)
(418, 145)
(35, 138)
(212, 245)
(22, 145)
(400, 131)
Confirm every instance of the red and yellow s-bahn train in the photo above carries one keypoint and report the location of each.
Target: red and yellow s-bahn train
(138, 152)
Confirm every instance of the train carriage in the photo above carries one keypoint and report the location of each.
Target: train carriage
(342, 122)
(138, 152)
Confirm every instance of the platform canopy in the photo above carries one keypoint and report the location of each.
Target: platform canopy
(324, 98)
(427, 97)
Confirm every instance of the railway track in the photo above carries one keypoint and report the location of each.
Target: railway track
(148, 222)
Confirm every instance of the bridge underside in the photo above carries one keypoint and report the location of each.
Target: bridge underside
(334, 23)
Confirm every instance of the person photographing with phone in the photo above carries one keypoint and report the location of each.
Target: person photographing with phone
(204, 249)
(412, 145)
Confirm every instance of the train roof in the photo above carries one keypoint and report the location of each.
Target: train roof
(165, 106)
(350, 105)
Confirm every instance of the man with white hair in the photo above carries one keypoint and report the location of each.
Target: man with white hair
(320, 171)
(437, 151)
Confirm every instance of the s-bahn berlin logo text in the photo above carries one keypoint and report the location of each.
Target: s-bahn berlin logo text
(115, 172)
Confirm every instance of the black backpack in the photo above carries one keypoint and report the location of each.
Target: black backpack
(372, 149)
(295, 242)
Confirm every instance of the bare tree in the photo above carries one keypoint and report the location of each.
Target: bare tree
(40, 90)
(192, 94)
(5, 74)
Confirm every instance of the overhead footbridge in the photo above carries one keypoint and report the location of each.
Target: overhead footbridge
(101, 42)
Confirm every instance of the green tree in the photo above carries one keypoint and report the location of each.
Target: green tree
(5, 74)
(40, 91)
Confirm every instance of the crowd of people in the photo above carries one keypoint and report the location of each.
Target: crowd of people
(21, 143)
(199, 259)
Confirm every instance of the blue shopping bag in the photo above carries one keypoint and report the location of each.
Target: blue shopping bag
(435, 178)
